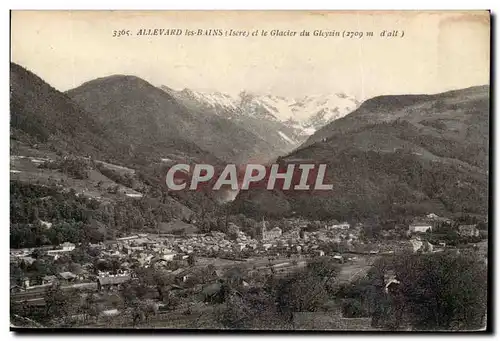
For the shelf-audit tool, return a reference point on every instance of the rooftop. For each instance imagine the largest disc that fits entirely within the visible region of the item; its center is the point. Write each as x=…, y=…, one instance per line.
x=67, y=275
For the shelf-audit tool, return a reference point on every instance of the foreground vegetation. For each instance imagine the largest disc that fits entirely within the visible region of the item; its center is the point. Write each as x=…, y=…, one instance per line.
x=445, y=291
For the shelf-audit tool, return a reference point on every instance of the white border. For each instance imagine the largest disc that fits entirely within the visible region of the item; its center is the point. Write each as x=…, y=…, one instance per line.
x=184, y=4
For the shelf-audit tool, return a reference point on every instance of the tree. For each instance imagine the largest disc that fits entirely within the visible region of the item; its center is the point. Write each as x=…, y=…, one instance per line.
x=253, y=310
x=159, y=279
x=300, y=292
x=441, y=291
x=89, y=306
x=306, y=290
x=323, y=267
x=55, y=301
x=302, y=234
x=38, y=254
x=353, y=308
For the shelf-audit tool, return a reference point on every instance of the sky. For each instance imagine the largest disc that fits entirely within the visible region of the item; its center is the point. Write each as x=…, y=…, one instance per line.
x=440, y=51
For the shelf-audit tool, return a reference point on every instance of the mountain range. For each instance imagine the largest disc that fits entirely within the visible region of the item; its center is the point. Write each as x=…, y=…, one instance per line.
x=124, y=121
x=392, y=155
x=395, y=155
x=284, y=122
x=308, y=112
x=147, y=118
x=41, y=115
x=143, y=122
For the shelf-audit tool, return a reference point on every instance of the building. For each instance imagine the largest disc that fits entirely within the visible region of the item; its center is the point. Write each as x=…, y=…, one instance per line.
x=267, y=246
x=419, y=227
x=421, y=246
x=46, y=224
x=239, y=246
x=181, y=275
x=111, y=282
x=319, y=253
x=339, y=258
x=168, y=256
x=28, y=260
x=341, y=226
x=272, y=234
x=49, y=279
x=390, y=281
x=67, y=246
x=68, y=276
x=436, y=218
x=134, y=236
x=468, y=231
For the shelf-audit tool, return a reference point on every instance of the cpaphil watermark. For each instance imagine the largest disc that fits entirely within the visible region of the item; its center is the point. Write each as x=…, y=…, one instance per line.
x=244, y=177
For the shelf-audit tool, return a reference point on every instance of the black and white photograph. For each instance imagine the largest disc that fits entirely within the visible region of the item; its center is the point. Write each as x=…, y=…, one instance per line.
x=289, y=171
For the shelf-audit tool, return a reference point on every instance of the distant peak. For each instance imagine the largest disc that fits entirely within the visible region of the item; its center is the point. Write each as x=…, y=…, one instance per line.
x=117, y=79
x=166, y=88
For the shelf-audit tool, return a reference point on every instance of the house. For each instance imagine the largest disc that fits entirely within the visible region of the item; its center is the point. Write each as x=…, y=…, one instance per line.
x=28, y=260
x=435, y=217
x=181, y=275
x=157, y=262
x=67, y=246
x=266, y=246
x=46, y=224
x=390, y=281
x=421, y=246
x=239, y=246
x=49, y=279
x=468, y=231
x=68, y=276
x=112, y=282
x=26, y=282
x=168, y=256
x=341, y=226
x=15, y=288
x=419, y=227
x=416, y=244
x=128, y=238
x=319, y=253
x=109, y=313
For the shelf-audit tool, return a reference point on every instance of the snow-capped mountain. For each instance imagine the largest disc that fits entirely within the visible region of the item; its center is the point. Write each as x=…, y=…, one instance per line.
x=307, y=114
x=283, y=122
x=315, y=112
x=216, y=100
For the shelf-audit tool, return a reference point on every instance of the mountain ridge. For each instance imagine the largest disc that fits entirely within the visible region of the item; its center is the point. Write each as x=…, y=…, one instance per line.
x=40, y=114
x=163, y=119
x=396, y=156
x=309, y=111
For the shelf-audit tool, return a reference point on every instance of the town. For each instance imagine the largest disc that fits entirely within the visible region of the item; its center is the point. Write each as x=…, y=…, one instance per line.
x=195, y=262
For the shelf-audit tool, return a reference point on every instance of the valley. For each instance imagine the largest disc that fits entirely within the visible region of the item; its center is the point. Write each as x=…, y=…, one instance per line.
x=98, y=238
